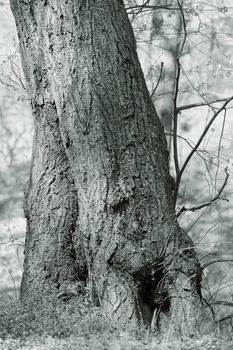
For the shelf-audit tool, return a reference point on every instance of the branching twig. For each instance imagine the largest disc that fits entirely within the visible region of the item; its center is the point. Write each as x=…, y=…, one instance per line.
x=17, y=74
x=207, y=204
x=178, y=179
x=140, y=9
x=200, y=104
x=216, y=262
x=221, y=302
x=153, y=7
x=224, y=318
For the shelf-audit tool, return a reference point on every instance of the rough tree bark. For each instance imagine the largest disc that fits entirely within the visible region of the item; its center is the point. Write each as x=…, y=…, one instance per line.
x=99, y=204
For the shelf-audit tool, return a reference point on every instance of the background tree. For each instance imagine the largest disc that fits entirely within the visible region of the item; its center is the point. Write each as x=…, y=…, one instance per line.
x=15, y=153
x=99, y=205
x=15, y=123
x=203, y=120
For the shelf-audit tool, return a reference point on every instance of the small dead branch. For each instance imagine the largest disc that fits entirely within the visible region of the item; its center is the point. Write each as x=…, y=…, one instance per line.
x=175, y=113
x=213, y=200
x=140, y=9
x=224, y=318
x=200, y=104
x=222, y=302
x=179, y=176
x=215, y=262
x=160, y=76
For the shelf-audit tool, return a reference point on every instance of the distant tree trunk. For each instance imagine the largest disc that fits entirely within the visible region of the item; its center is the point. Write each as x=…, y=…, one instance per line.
x=99, y=206
x=166, y=39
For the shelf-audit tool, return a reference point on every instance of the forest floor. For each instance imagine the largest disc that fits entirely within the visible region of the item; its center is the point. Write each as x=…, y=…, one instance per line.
x=114, y=343
x=63, y=328
x=79, y=325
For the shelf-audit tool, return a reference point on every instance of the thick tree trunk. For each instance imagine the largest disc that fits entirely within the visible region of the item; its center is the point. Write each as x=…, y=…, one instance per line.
x=53, y=259
x=100, y=197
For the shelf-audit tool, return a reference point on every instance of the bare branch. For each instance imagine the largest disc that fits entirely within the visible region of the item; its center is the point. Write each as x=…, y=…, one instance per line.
x=216, y=261
x=175, y=114
x=160, y=76
x=184, y=27
x=207, y=204
x=153, y=7
x=200, y=104
x=175, y=148
x=140, y=9
x=17, y=74
x=219, y=148
x=224, y=318
x=178, y=179
x=221, y=302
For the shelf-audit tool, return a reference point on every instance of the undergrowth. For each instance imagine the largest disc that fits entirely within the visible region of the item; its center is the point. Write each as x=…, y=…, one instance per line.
x=79, y=325
x=50, y=319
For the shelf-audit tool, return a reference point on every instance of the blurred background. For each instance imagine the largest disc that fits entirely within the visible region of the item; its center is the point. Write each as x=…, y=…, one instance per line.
x=186, y=52
x=16, y=130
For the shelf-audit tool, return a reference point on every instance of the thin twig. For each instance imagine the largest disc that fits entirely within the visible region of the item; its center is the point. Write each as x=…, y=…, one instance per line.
x=200, y=104
x=140, y=9
x=175, y=114
x=160, y=76
x=221, y=302
x=153, y=7
x=216, y=262
x=15, y=289
x=17, y=75
x=175, y=148
x=224, y=318
x=213, y=200
x=184, y=27
x=219, y=148
x=178, y=179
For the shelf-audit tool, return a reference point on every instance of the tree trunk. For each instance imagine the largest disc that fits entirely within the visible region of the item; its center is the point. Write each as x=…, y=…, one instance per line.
x=52, y=256
x=99, y=206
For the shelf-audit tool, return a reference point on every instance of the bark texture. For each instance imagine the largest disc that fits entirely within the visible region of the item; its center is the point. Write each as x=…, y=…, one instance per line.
x=99, y=206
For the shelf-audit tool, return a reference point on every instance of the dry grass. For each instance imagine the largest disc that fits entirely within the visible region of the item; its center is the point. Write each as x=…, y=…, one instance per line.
x=123, y=342
x=76, y=326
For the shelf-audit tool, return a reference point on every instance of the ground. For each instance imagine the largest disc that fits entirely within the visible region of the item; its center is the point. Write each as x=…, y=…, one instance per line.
x=76, y=326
